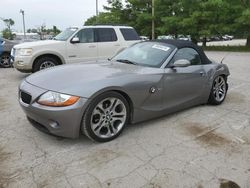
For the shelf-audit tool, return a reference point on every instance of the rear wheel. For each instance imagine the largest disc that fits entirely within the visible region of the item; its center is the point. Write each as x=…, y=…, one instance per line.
x=44, y=63
x=5, y=60
x=105, y=117
x=218, y=91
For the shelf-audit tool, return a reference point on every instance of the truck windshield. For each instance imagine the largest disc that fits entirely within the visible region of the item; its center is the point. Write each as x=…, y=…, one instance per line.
x=63, y=36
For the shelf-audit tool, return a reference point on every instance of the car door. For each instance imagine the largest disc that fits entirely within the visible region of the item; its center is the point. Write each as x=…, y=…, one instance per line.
x=85, y=49
x=108, y=44
x=184, y=85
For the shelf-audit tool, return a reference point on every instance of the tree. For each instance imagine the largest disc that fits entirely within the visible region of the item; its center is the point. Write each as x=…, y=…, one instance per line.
x=55, y=30
x=103, y=18
x=32, y=31
x=9, y=22
x=7, y=33
x=198, y=18
x=135, y=13
x=243, y=19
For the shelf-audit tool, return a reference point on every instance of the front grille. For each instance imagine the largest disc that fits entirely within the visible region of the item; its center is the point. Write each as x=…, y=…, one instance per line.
x=25, y=97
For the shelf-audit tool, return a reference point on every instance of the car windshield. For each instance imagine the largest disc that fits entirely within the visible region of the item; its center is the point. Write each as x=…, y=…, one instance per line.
x=63, y=36
x=151, y=54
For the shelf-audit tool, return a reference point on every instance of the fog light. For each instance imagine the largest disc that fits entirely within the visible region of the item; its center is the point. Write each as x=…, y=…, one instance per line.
x=54, y=124
x=20, y=63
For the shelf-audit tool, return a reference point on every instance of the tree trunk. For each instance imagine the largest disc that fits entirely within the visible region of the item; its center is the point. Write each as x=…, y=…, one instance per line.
x=248, y=41
x=194, y=40
x=204, y=41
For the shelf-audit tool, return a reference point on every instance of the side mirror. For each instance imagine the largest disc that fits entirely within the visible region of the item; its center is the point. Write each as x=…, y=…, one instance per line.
x=181, y=63
x=75, y=40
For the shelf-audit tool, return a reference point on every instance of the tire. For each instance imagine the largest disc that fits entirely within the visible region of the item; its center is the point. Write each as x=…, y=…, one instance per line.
x=44, y=63
x=105, y=117
x=218, y=91
x=5, y=60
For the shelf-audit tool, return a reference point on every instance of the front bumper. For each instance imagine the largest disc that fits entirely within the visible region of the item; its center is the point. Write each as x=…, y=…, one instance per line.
x=22, y=64
x=60, y=121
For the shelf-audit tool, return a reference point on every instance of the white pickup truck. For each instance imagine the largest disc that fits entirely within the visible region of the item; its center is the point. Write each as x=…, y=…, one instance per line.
x=72, y=46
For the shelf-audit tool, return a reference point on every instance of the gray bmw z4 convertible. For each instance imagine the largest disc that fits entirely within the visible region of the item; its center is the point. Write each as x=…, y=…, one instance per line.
x=145, y=81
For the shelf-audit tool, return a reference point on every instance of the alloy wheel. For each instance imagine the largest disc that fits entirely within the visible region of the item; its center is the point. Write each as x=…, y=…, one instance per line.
x=47, y=64
x=219, y=88
x=108, y=117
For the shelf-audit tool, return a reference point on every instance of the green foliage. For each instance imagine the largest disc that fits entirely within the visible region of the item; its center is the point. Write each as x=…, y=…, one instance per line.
x=42, y=30
x=9, y=22
x=103, y=18
x=198, y=18
x=7, y=33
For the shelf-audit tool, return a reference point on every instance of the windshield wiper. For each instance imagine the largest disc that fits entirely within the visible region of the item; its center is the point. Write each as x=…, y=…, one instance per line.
x=126, y=61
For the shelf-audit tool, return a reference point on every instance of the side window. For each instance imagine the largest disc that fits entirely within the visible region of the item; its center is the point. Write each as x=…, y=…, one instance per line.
x=86, y=35
x=189, y=54
x=129, y=34
x=106, y=35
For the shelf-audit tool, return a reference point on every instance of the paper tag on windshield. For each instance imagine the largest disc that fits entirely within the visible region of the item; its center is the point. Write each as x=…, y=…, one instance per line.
x=160, y=47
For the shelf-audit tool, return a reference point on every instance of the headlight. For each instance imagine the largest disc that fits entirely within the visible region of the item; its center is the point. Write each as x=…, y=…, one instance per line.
x=51, y=98
x=25, y=52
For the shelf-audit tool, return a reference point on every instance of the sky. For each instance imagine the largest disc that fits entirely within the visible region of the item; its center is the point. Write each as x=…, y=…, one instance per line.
x=62, y=13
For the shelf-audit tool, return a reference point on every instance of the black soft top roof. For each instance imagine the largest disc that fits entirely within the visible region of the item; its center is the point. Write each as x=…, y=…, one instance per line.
x=186, y=44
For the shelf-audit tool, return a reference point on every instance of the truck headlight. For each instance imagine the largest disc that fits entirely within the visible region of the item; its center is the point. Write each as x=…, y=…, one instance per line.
x=55, y=99
x=25, y=52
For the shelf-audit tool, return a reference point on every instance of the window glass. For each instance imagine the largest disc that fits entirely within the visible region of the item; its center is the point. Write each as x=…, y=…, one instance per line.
x=106, y=35
x=86, y=35
x=129, y=34
x=151, y=54
x=63, y=36
x=189, y=54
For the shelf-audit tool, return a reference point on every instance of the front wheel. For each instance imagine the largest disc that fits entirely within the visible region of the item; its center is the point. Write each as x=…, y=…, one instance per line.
x=105, y=117
x=44, y=63
x=219, y=91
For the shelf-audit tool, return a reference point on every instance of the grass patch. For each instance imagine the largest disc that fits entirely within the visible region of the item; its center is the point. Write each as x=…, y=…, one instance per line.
x=227, y=48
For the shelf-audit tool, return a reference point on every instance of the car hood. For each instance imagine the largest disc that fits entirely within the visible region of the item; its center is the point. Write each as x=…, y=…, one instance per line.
x=85, y=79
x=37, y=44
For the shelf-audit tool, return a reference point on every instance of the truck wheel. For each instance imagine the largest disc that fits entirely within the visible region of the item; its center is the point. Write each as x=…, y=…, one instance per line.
x=44, y=63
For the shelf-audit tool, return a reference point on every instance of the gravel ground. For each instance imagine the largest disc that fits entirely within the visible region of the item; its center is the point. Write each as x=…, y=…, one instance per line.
x=205, y=146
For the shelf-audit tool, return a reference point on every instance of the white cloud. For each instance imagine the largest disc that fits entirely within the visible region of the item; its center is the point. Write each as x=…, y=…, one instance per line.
x=62, y=13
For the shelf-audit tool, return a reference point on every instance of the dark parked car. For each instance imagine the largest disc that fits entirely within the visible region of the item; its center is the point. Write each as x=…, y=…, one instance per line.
x=5, y=56
x=1, y=47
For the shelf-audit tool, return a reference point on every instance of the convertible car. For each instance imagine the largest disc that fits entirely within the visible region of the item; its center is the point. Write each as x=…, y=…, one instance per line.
x=145, y=81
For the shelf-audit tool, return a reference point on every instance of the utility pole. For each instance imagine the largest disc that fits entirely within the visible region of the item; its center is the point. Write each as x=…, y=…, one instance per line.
x=153, y=19
x=96, y=11
x=96, y=7
x=24, y=33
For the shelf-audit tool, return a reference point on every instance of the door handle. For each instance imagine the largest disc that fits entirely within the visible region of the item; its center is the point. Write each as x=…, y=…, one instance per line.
x=117, y=45
x=202, y=73
x=92, y=46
